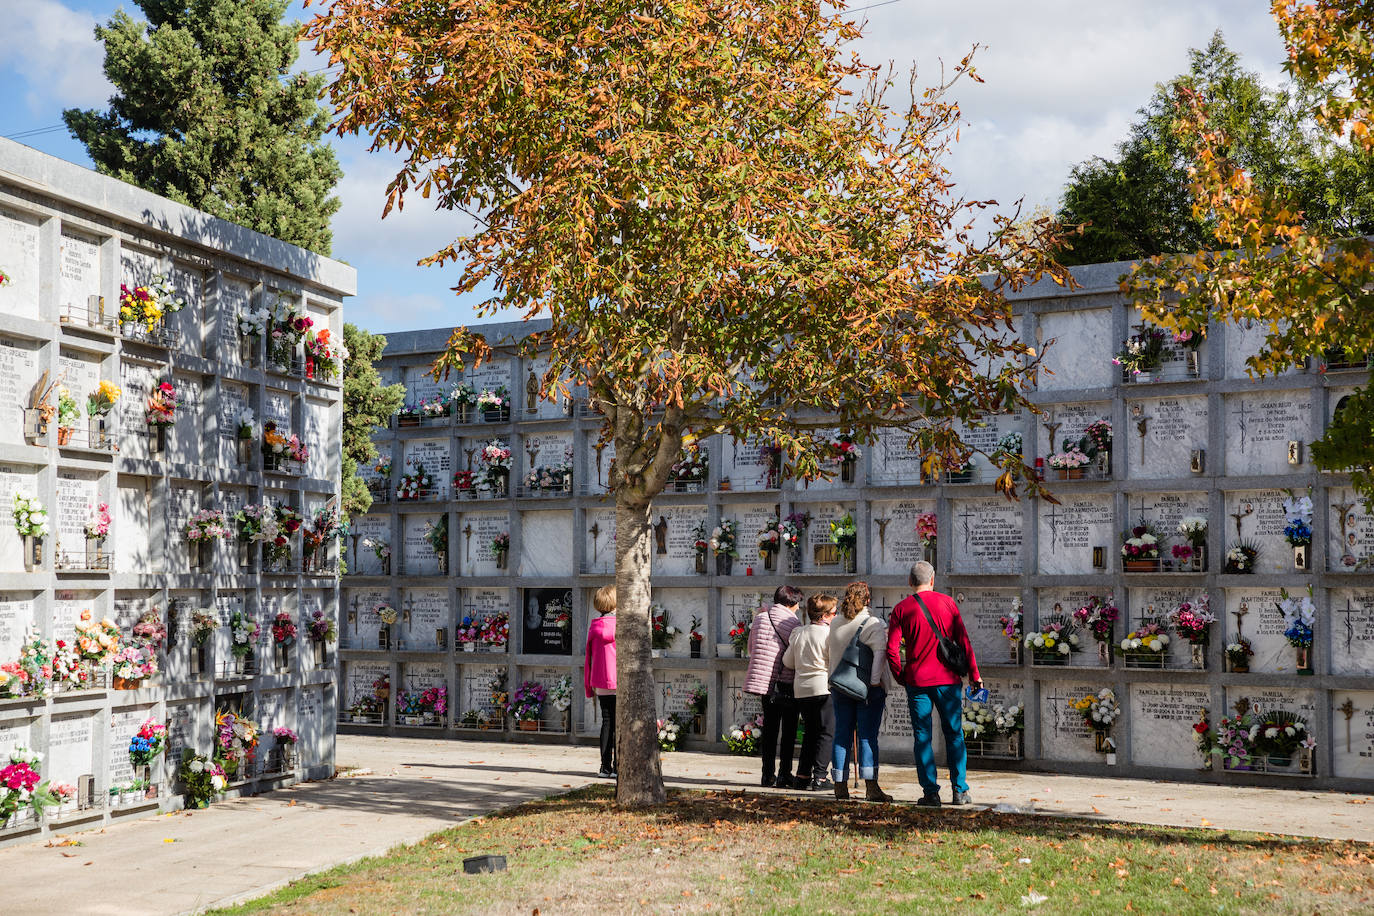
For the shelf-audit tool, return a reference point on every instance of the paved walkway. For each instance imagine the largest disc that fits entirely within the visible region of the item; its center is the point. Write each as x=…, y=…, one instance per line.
x=237, y=850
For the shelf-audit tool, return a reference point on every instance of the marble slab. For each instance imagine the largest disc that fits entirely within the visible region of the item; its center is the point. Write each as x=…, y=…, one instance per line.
x=981, y=608
x=677, y=554
x=1351, y=612
x=988, y=535
x=423, y=611
x=1174, y=428
x=19, y=373
x=71, y=749
x=546, y=544
x=1162, y=717
x=1350, y=531
x=1262, y=623
x=893, y=460
x=476, y=557
x=892, y=534
x=1259, y=427
x=420, y=558
x=1063, y=734
x=19, y=255
x=1074, y=355
x=1068, y=533
x=1352, y=744
x=1261, y=521
x=683, y=604
x=818, y=535
x=16, y=616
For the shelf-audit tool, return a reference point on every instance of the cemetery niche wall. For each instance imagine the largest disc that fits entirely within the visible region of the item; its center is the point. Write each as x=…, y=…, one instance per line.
x=1197, y=568
x=146, y=426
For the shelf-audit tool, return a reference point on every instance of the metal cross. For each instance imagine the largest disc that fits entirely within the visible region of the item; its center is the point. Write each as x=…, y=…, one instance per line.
x=1053, y=516
x=470, y=609
x=467, y=542
x=1242, y=412
x=1347, y=709
x=1249, y=510
x=968, y=531
x=1052, y=428
x=884, y=607
x=353, y=614
x=735, y=606
x=1142, y=510
x=1349, y=613
x=595, y=531
x=882, y=535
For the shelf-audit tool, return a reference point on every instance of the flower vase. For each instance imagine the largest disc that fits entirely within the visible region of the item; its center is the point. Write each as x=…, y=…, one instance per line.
x=95, y=553
x=1194, y=363
x=64, y=435
x=1198, y=654
x=1198, y=561
x=701, y=563
x=928, y=554
x=240, y=664
x=1282, y=761
x=386, y=566
x=1300, y=557
x=96, y=433
x=245, y=555
x=724, y=564
x=770, y=560
x=846, y=471
x=197, y=661
x=1070, y=473
x=384, y=637
x=281, y=656
x=500, y=481
x=696, y=648
x=1240, y=667
x=1104, y=464
x=461, y=412
x=501, y=559
x=850, y=561
x=309, y=366
x=125, y=683
x=159, y=439
x=794, y=560
x=1304, y=661
x=33, y=553
x=244, y=451
x=246, y=349
x=1104, y=652
x=1100, y=740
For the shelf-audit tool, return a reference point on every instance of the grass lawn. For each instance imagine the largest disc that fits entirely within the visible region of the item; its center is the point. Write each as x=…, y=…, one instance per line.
x=721, y=852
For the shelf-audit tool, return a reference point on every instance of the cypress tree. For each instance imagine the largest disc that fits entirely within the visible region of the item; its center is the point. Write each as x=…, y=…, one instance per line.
x=207, y=114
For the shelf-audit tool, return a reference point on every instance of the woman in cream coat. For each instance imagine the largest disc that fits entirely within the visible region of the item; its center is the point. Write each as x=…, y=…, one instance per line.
x=865, y=717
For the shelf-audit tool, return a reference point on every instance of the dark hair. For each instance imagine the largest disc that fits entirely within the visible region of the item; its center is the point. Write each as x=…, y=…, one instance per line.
x=788, y=596
x=817, y=606
x=856, y=597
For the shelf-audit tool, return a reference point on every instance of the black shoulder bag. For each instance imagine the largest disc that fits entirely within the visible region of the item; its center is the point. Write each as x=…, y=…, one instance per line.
x=950, y=653
x=854, y=669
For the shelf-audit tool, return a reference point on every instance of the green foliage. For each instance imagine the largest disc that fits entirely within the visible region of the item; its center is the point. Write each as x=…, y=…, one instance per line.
x=367, y=404
x=205, y=113
x=1346, y=447
x=1140, y=203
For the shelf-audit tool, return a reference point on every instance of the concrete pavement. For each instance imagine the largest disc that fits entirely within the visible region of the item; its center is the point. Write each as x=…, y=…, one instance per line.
x=237, y=850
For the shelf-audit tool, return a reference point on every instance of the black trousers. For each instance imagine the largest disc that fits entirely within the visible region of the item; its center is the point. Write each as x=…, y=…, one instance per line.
x=818, y=739
x=779, y=733
x=607, y=703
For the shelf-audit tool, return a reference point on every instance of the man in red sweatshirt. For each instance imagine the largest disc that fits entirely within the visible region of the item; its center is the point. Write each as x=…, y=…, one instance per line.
x=929, y=683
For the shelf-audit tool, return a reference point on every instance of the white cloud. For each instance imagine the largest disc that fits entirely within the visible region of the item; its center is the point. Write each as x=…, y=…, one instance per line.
x=53, y=47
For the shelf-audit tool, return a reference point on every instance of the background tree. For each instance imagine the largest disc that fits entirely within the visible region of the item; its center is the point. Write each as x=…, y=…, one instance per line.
x=206, y=113
x=1310, y=287
x=1140, y=203
x=367, y=404
x=724, y=239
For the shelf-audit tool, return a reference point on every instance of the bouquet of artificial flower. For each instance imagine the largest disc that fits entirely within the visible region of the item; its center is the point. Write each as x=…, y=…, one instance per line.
x=1100, y=711
x=30, y=518
x=98, y=521
x=283, y=629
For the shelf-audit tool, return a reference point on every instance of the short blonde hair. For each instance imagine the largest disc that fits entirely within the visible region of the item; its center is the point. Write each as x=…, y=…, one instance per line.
x=604, y=599
x=817, y=606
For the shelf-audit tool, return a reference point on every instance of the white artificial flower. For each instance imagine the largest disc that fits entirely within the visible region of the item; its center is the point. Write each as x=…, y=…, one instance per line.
x=1064, y=649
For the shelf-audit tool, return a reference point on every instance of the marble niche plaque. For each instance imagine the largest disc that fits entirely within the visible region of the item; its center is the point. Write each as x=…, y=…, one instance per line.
x=1350, y=532
x=551, y=717
x=132, y=522
x=181, y=729
x=1257, y=517
x=682, y=605
x=894, y=462
x=1352, y=631
x=752, y=520
x=185, y=441
x=376, y=527
x=76, y=497
x=16, y=616
x=545, y=539
x=481, y=603
x=138, y=268
x=233, y=401
x=1062, y=602
x=542, y=450
x=476, y=557
x=1147, y=603
x=321, y=427
x=358, y=626
x=66, y=611
x=124, y=724
x=311, y=717
x=420, y=558
x=744, y=463
x=986, y=435
x=1262, y=623
x=739, y=706
x=433, y=455
x=271, y=713
x=474, y=690
x=276, y=408
x=427, y=609
x=189, y=285
x=598, y=541
x=359, y=677
x=16, y=734
x=1074, y=355
x=987, y=536
x=551, y=408
x=19, y=374
x=420, y=385
x=674, y=692
x=1352, y=745
x=892, y=534
x=1069, y=422
x=1265, y=699
x=1174, y=427
x=1069, y=532
x=981, y=609
x=71, y=749
x=1259, y=428
x=235, y=297
x=1163, y=511
x=737, y=604
x=421, y=676
x=818, y=536
x=13, y=479
x=19, y=255
x=492, y=375
x=1244, y=340
x=136, y=382
x=671, y=526
x=1162, y=717
x=595, y=468
x=1063, y=733
x=895, y=730
x=80, y=376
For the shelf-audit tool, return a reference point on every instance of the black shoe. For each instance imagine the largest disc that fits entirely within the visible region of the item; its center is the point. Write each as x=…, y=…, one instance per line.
x=962, y=798
x=788, y=782
x=820, y=784
x=606, y=774
x=928, y=801
x=767, y=782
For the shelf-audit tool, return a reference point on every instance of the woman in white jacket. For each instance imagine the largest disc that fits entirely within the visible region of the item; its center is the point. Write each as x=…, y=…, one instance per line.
x=806, y=655
x=865, y=717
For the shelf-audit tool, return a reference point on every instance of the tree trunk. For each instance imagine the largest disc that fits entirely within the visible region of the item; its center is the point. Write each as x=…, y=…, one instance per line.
x=640, y=781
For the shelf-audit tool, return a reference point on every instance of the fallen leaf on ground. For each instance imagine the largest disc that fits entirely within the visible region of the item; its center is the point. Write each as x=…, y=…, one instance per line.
x=1206, y=823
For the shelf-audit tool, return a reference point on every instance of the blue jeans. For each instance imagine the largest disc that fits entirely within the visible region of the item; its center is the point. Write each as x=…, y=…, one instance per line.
x=866, y=717
x=948, y=703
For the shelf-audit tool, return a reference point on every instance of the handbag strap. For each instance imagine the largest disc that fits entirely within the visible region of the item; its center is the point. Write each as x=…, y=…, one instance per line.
x=777, y=662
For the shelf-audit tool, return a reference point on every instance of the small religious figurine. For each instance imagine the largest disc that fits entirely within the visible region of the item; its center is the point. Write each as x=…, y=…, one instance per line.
x=661, y=536
x=531, y=392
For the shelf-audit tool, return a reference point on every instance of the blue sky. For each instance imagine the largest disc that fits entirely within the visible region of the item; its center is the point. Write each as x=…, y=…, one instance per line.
x=1063, y=81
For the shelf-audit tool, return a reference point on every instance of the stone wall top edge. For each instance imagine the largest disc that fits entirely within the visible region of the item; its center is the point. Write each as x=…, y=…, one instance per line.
x=45, y=176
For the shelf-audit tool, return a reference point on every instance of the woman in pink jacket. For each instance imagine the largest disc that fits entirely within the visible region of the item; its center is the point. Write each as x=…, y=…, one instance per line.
x=598, y=674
